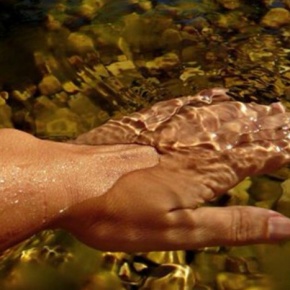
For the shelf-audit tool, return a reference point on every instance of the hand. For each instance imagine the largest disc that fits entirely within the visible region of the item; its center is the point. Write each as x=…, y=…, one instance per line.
x=206, y=145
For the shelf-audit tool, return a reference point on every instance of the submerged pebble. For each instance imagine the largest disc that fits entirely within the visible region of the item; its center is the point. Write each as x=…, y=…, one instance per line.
x=276, y=18
x=49, y=85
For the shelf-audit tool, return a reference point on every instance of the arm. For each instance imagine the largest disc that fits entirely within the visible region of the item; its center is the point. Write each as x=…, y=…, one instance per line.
x=133, y=198
x=40, y=179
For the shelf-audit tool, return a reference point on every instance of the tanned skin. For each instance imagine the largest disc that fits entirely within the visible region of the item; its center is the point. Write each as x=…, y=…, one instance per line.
x=139, y=183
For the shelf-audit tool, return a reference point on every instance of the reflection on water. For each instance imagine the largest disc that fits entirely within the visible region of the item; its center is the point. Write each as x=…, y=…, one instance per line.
x=67, y=66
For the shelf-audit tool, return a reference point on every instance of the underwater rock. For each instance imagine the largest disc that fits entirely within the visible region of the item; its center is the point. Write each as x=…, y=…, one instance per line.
x=239, y=194
x=165, y=62
x=49, y=85
x=208, y=265
x=170, y=277
x=145, y=5
x=3, y=97
x=283, y=204
x=62, y=123
x=230, y=4
x=90, y=114
x=231, y=281
x=80, y=43
x=287, y=93
x=242, y=265
x=24, y=95
x=171, y=38
x=52, y=24
x=104, y=280
x=263, y=188
x=70, y=87
x=5, y=116
x=168, y=257
x=143, y=33
x=89, y=8
x=276, y=17
x=117, y=68
x=56, y=121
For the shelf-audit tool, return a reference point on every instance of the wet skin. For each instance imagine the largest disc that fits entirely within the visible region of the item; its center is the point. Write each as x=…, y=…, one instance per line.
x=139, y=183
x=206, y=144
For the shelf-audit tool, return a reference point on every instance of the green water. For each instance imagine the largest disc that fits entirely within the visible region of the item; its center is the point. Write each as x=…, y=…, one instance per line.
x=68, y=66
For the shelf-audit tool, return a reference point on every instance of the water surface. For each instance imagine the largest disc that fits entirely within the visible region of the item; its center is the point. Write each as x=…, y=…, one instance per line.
x=68, y=66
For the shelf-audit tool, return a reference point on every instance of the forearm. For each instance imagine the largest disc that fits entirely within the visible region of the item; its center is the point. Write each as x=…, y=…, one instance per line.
x=40, y=179
x=26, y=177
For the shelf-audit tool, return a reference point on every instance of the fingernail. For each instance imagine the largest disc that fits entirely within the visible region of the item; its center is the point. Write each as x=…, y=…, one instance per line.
x=279, y=227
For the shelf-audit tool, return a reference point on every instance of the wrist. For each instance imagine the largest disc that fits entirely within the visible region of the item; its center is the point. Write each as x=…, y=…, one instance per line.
x=94, y=172
x=95, y=169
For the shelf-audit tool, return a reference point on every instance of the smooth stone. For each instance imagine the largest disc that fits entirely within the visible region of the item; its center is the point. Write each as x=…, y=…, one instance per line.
x=276, y=17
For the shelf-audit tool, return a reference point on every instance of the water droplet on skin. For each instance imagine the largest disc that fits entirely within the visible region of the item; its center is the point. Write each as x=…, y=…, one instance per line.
x=229, y=146
x=244, y=108
x=62, y=210
x=253, y=119
x=278, y=149
x=206, y=98
x=16, y=201
x=2, y=180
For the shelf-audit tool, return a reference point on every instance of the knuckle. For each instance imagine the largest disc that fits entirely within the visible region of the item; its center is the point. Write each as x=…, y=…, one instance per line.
x=179, y=218
x=241, y=229
x=171, y=221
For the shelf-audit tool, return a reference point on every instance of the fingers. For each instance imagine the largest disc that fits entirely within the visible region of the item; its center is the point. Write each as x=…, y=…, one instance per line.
x=276, y=121
x=245, y=130
x=259, y=158
x=127, y=129
x=208, y=226
x=220, y=171
x=242, y=131
x=235, y=111
x=224, y=171
x=219, y=126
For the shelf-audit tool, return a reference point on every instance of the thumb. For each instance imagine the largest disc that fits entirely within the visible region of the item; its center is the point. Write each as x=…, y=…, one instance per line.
x=236, y=225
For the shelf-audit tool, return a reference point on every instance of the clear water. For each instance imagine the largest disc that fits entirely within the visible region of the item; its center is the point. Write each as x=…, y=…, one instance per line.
x=68, y=66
